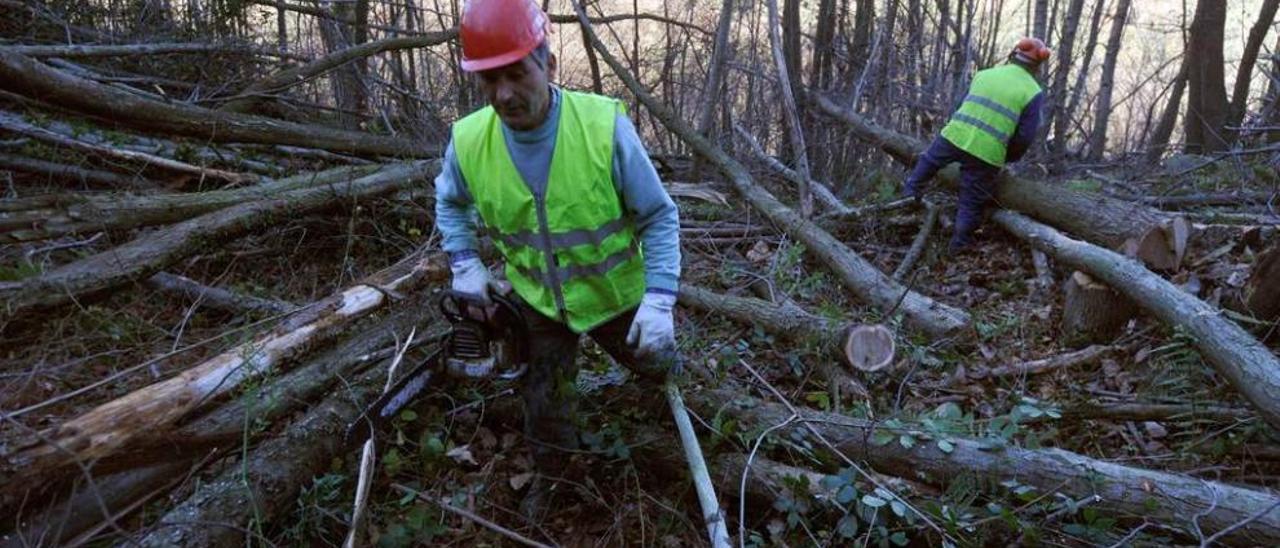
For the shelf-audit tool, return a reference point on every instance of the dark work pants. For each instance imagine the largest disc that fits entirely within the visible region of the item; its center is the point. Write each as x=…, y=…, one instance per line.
x=977, y=185
x=549, y=386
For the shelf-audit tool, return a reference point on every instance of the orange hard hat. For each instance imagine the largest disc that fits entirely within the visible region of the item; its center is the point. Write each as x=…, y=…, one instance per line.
x=1032, y=50
x=500, y=32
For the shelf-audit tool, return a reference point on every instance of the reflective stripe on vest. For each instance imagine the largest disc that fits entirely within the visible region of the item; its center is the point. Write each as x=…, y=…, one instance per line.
x=572, y=253
x=988, y=116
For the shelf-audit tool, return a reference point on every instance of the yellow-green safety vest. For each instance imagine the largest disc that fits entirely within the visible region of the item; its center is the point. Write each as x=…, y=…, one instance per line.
x=572, y=253
x=988, y=117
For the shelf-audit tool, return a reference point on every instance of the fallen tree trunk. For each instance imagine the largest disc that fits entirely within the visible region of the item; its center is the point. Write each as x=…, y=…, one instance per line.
x=45, y=217
x=283, y=396
x=106, y=429
x=1153, y=412
x=124, y=50
x=871, y=285
x=152, y=252
x=1248, y=365
x=1170, y=498
x=266, y=483
x=1099, y=219
x=245, y=100
x=217, y=298
x=820, y=190
x=68, y=173
x=12, y=123
x=24, y=76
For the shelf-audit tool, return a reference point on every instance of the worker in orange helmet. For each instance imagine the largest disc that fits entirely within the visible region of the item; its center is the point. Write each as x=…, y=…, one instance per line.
x=995, y=124
x=562, y=185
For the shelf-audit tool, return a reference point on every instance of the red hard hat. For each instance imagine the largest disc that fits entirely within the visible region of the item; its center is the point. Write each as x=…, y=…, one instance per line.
x=1032, y=50
x=500, y=32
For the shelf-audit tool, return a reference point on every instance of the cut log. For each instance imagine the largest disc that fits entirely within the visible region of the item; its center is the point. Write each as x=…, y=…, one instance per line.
x=1248, y=365
x=1096, y=218
x=217, y=298
x=1092, y=312
x=275, y=83
x=155, y=251
x=108, y=427
x=868, y=348
x=1169, y=498
x=24, y=76
x=14, y=123
x=53, y=216
x=863, y=279
x=1262, y=291
x=862, y=346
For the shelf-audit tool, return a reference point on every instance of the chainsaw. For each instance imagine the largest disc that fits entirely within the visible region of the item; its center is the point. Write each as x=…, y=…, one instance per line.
x=485, y=341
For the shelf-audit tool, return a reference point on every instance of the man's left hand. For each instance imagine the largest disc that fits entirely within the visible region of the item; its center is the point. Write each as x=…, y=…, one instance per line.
x=653, y=329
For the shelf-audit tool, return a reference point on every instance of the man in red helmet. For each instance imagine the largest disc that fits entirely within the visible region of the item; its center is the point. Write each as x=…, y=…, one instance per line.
x=563, y=187
x=995, y=124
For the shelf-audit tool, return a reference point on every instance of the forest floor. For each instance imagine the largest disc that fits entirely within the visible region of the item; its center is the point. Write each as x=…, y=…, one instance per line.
x=464, y=444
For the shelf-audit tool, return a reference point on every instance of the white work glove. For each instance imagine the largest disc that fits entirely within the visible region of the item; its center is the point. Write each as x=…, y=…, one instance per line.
x=653, y=330
x=470, y=276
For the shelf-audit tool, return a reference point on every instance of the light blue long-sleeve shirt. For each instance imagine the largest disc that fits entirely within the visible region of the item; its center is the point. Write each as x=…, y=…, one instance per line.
x=643, y=196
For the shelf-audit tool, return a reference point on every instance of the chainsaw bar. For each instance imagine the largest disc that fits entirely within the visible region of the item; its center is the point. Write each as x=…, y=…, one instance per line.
x=379, y=414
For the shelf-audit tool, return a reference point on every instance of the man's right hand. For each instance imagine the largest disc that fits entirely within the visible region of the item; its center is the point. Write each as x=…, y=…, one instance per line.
x=470, y=276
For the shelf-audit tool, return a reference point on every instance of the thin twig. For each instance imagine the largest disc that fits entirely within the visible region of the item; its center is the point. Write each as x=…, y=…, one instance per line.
x=517, y=537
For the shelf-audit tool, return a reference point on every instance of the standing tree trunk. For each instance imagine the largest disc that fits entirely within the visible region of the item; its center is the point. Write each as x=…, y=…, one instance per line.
x=1057, y=92
x=822, y=46
x=795, y=132
x=1039, y=27
x=1164, y=128
x=1077, y=91
x=282, y=29
x=1207, y=100
x=1102, y=112
x=1240, y=92
x=711, y=95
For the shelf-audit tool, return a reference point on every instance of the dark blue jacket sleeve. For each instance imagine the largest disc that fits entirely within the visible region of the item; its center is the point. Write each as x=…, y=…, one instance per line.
x=1028, y=124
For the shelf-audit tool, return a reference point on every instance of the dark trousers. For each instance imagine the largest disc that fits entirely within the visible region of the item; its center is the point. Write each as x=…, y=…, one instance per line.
x=549, y=386
x=977, y=185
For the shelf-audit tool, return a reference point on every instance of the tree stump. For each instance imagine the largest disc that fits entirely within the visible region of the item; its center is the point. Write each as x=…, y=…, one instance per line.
x=1092, y=312
x=1262, y=291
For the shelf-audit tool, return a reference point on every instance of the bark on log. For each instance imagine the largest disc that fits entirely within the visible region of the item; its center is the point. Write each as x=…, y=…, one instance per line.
x=1092, y=312
x=72, y=174
x=1125, y=489
x=24, y=76
x=1250, y=367
x=268, y=481
x=13, y=123
x=1096, y=218
x=282, y=397
x=45, y=217
x=155, y=251
x=215, y=297
x=108, y=427
x=245, y=100
x=871, y=285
